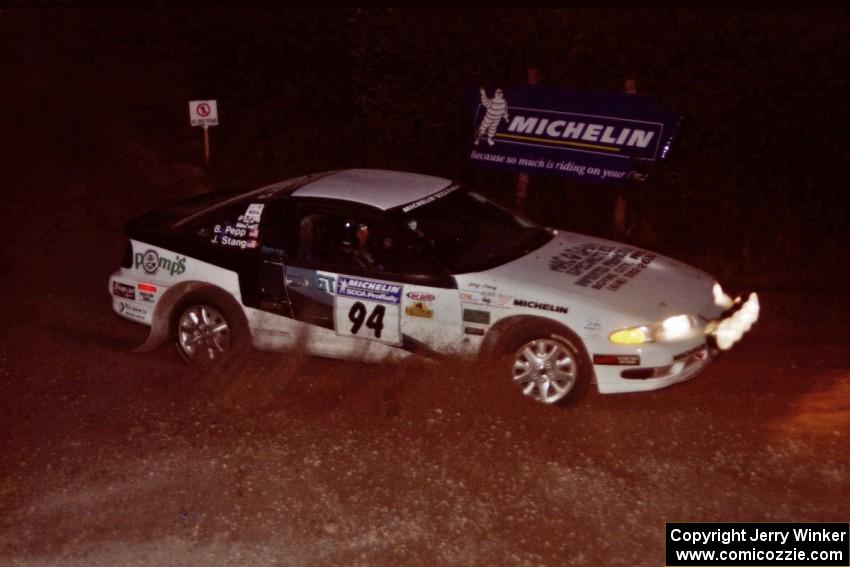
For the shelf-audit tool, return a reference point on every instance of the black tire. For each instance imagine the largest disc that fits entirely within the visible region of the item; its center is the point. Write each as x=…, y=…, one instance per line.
x=547, y=361
x=207, y=329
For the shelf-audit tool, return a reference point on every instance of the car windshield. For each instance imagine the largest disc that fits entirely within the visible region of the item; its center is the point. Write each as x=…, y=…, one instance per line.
x=468, y=233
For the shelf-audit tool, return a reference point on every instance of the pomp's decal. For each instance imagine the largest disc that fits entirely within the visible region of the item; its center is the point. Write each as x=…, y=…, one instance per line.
x=151, y=262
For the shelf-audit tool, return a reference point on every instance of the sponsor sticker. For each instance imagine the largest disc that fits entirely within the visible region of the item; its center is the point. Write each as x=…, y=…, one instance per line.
x=151, y=262
x=235, y=236
x=132, y=311
x=488, y=298
x=325, y=283
x=473, y=331
x=123, y=290
x=147, y=292
x=542, y=306
x=475, y=285
x=370, y=290
x=476, y=316
x=601, y=266
x=252, y=215
x=419, y=309
x=429, y=199
x=616, y=359
x=421, y=296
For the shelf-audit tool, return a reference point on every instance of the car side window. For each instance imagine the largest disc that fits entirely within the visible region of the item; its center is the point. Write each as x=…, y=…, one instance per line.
x=360, y=240
x=327, y=237
x=234, y=226
x=277, y=231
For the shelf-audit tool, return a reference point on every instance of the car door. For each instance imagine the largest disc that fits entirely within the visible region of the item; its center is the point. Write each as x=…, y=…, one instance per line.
x=359, y=276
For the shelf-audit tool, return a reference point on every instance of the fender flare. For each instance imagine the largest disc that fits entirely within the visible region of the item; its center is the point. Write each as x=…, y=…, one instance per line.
x=164, y=310
x=502, y=327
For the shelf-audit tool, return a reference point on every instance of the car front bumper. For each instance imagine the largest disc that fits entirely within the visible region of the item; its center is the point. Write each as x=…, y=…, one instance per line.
x=654, y=372
x=664, y=365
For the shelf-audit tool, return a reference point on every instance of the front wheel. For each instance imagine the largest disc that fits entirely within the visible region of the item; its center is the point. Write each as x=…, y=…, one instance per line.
x=548, y=367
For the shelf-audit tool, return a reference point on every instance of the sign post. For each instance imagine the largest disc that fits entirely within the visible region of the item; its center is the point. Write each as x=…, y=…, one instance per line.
x=204, y=113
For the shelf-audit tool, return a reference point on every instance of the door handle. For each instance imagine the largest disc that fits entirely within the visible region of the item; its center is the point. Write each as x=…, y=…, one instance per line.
x=297, y=282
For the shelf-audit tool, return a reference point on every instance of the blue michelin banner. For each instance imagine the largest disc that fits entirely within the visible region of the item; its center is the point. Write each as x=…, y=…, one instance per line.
x=599, y=136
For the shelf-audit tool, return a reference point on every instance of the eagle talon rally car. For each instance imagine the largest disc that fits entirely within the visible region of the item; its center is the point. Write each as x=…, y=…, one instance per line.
x=378, y=265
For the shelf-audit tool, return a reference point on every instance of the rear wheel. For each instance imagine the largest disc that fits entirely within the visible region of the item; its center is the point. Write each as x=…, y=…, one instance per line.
x=205, y=332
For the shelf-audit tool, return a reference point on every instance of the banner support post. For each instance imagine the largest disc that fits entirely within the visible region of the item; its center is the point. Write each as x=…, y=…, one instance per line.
x=619, y=219
x=522, y=179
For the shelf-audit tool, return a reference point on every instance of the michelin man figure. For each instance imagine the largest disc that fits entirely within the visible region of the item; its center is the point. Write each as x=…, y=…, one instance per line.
x=497, y=109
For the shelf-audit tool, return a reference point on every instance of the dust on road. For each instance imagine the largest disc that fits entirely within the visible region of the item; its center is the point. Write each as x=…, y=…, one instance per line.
x=110, y=457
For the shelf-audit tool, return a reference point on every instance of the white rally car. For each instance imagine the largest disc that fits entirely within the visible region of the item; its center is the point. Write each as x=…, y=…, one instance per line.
x=376, y=265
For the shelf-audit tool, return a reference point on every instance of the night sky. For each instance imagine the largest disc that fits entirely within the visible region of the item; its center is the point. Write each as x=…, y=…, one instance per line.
x=753, y=185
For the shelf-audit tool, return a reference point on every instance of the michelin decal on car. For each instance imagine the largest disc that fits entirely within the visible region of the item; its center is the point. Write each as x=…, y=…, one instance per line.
x=429, y=199
x=538, y=305
x=370, y=290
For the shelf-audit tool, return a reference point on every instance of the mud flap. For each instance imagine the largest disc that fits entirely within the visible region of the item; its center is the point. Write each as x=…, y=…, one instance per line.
x=157, y=335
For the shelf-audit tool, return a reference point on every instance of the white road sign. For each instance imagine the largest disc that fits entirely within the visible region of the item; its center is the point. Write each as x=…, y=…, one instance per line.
x=203, y=113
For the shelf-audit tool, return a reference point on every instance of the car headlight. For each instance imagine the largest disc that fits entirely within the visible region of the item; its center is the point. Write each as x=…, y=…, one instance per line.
x=671, y=329
x=721, y=299
x=631, y=336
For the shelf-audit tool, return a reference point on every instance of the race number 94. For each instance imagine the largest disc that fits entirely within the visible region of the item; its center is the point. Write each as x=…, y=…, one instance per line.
x=358, y=316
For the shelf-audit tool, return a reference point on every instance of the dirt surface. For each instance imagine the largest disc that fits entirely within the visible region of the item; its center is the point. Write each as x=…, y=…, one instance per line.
x=108, y=457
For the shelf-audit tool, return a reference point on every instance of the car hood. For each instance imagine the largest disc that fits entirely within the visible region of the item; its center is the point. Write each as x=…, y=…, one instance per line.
x=634, y=281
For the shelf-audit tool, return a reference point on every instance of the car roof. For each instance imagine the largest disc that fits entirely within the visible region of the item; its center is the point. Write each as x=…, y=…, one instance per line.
x=380, y=188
